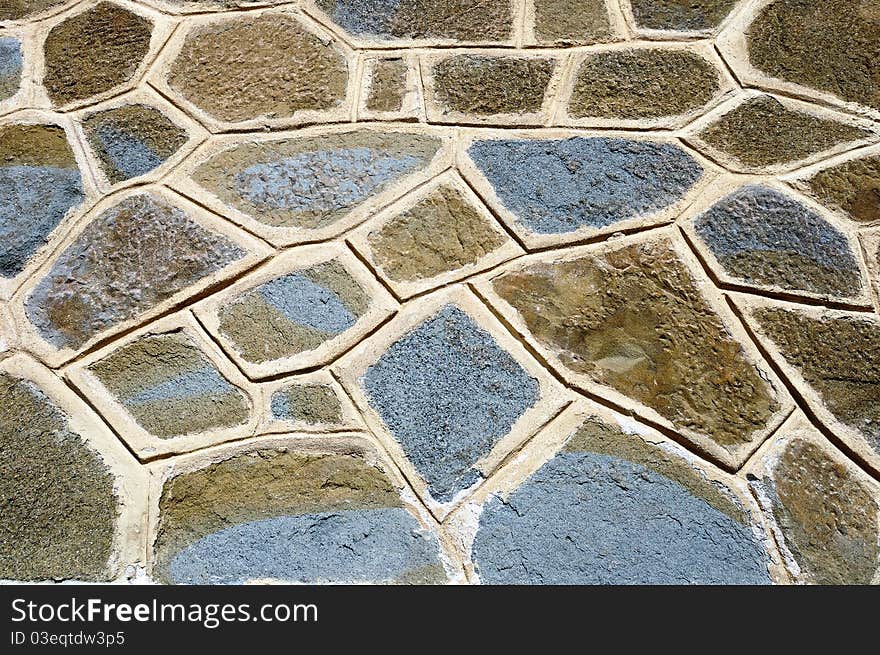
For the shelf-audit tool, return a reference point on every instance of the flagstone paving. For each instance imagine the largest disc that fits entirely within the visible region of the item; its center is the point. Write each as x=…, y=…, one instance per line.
x=421, y=292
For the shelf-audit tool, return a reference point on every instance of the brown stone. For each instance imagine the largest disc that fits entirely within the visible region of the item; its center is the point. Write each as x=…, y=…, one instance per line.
x=853, y=187
x=388, y=85
x=680, y=15
x=18, y=9
x=571, y=21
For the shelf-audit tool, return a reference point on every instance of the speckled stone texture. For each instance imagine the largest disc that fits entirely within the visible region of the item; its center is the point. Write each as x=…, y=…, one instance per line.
x=764, y=237
x=462, y=20
x=388, y=85
x=133, y=256
x=853, y=187
x=680, y=15
x=40, y=183
x=829, y=45
x=59, y=506
x=762, y=132
x=610, y=509
x=448, y=372
x=94, y=52
x=170, y=388
x=648, y=83
x=610, y=317
x=315, y=404
x=244, y=68
x=559, y=186
x=571, y=22
x=313, y=182
x=18, y=9
x=291, y=517
x=10, y=66
x=132, y=140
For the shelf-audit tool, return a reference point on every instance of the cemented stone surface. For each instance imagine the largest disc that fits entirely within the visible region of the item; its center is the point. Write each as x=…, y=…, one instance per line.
x=824, y=508
x=170, y=388
x=18, y=9
x=613, y=508
x=388, y=85
x=453, y=20
x=266, y=66
x=314, y=404
x=766, y=238
x=292, y=517
x=10, y=66
x=762, y=132
x=634, y=319
x=853, y=187
x=132, y=140
x=564, y=22
x=313, y=182
x=130, y=258
x=448, y=372
x=94, y=51
x=680, y=15
x=40, y=183
x=562, y=185
x=829, y=45
x=644, y=83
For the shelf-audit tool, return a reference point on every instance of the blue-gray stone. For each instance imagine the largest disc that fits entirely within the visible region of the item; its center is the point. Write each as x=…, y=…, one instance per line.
x=587, y=518
x=188, y=384
x=281, y=408
x=559, y=186
x=35, y=199
x=128, y=154
x=321, y=181
x=448, y=393
x=10, y=57
x=365, y=17
x=368, y=545
x=307, y=303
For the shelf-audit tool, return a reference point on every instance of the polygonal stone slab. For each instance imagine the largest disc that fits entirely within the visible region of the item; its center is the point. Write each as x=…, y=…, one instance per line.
x=303, y=309
x=633, y=321
x=571, y=22
x=824, y=510
x=598, y=498
x=490, y=87
x=833, y=360
x=11, y=64
x=139, y=254
x=372, y=23
x=314, y=402
x=564, y=187
x=391, y=87
x=664, y=19
x=645, y=87
x=758, y=235
x=759, y=133
x=42, y=188
x=167, y=389
x=294, y=510
x=258, y=69
x=98, y=50
x=75, y=501
x=449, y=393
x=14, y=10
x=439, y=234
x=313, y=184
x=137, y=137
x=817, y=49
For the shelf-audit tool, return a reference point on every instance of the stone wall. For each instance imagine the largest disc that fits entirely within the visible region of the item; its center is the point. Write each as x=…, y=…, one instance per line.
x=440, y=291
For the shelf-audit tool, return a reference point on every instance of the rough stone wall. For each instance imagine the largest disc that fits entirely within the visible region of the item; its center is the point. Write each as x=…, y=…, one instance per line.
x=448, y=291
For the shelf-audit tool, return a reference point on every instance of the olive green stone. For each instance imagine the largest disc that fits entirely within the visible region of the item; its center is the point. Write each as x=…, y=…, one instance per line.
x=853, y=187
x=571, y=21
x=388, y=85
x=680, y=15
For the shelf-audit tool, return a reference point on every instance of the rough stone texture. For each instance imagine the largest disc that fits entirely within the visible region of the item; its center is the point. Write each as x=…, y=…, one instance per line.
x=633, y=319
x=830, y=45
x=560, y=186
x=448, y=393
x=827, y=516
x=293, y=313
x=642, y=83
x=130, y=258
x=59, y=506
x=94, y=51
x=442, y=233
x=764, y=237
x=244, y=68
x=18, y=9
x=762, y=132
x=170, y=388
x=853, y=187
x=564, y=22
x=10, y=66
x=609, y=509
x=461, y=20
x=133, y=140
x=489, y=85
x=313, y=182
x=293, y=517
x=388, y=85
x=839, y=358
x=39, y=184
x=681, y=15
x=314, y=404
